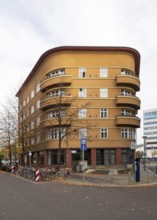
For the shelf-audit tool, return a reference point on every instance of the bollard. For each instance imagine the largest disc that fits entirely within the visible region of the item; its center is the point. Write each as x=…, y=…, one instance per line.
x=12, y=169
x=37, y=174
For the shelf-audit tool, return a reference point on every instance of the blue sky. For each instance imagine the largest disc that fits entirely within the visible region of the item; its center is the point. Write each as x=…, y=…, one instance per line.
x=30, y=27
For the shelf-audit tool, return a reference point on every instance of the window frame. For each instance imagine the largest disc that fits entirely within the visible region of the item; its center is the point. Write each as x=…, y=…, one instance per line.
x=103, y=92
x=103, y=133
x=82, y=113
x=82, y=72
x=103, y=72
x=83, y=93
x=103, y=113
x=127, y=133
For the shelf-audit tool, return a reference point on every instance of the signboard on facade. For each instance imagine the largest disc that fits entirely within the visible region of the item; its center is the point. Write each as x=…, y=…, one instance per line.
x=132, y=145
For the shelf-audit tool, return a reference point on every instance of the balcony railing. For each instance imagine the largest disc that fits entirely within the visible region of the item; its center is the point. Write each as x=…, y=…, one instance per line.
x=55, y=81
x=53, y=101
x=54, y=122
x=128, y=80
x=130, y=101
x=129, y=121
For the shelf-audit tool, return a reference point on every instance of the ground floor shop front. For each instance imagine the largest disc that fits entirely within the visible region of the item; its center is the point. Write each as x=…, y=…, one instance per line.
x=69, y=158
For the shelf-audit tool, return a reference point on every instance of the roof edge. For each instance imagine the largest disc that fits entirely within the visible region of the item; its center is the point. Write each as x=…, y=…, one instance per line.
x=130, y=50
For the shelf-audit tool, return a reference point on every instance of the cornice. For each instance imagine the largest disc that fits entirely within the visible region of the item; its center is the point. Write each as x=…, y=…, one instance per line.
x=130, y=50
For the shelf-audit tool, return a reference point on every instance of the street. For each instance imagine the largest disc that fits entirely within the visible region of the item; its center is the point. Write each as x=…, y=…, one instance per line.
x=22, y=200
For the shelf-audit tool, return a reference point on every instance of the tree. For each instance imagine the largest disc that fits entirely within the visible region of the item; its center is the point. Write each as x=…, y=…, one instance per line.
x=8, y=128
x=63, y=116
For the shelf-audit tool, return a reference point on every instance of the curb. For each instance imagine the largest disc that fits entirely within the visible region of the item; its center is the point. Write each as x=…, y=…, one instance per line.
x=112, y=186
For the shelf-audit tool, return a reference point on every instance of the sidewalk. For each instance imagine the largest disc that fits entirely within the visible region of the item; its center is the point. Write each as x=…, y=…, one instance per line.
x=146, y=178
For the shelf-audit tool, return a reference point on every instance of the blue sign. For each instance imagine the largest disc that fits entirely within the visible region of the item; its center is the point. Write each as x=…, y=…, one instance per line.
x=83, y=145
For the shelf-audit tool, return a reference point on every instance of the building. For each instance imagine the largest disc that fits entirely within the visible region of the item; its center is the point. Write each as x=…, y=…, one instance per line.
x=150, y=131
x=100, y=84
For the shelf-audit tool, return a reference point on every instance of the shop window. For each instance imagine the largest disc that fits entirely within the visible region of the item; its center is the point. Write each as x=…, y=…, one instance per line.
x=53, y=157
x=125, y=156
x=41, y=158
x=105, y=157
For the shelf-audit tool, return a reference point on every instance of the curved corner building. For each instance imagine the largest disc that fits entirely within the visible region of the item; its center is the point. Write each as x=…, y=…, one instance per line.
x=93, y=89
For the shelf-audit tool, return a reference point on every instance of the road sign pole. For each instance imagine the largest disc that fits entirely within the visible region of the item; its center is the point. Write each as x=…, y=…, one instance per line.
x=83, y=165
x=83, y=147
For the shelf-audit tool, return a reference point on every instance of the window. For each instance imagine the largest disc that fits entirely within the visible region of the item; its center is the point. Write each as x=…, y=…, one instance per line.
x=105, y=157
x=53, y=155
x=103, y=72
x=103, y=113
x=24, y=103
x=32, y=125
x=27, y=99
x=32, y=109
x=127, y=133
x=54, y=114
x=82, y=92
x=32, y=141
x=56, y=93
x=41, y=157
x=125, y=156
x=38, y=138
x=109, y=157
x=27, y=128
x=38, y=121
x=20, y=106
x=82, y=72
x=83, y=133
x=126, y=72
x=32, y=94
x=104, y=133
x=126, y=112
x=38, y=88
x=55, y=73
x=125, y=92
x=38, y=104
x=82, y=113
x=52, y=134
x=103, y=93
x=27, y=113
x=24, y=116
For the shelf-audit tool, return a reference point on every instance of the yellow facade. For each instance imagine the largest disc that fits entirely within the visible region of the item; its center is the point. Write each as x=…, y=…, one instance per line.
x=106, y=90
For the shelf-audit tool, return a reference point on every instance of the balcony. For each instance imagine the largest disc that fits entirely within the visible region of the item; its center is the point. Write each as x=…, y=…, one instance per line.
x=129, y=121
x=127, y=80
x=63, y=80
x=130, y=101
x=55, y=101
x=53, y=122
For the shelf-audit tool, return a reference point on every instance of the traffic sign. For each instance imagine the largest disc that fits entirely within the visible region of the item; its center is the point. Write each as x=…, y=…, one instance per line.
x=83, y=145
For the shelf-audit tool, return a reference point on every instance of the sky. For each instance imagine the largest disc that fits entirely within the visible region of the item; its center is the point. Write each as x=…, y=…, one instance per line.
x=28, y=28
